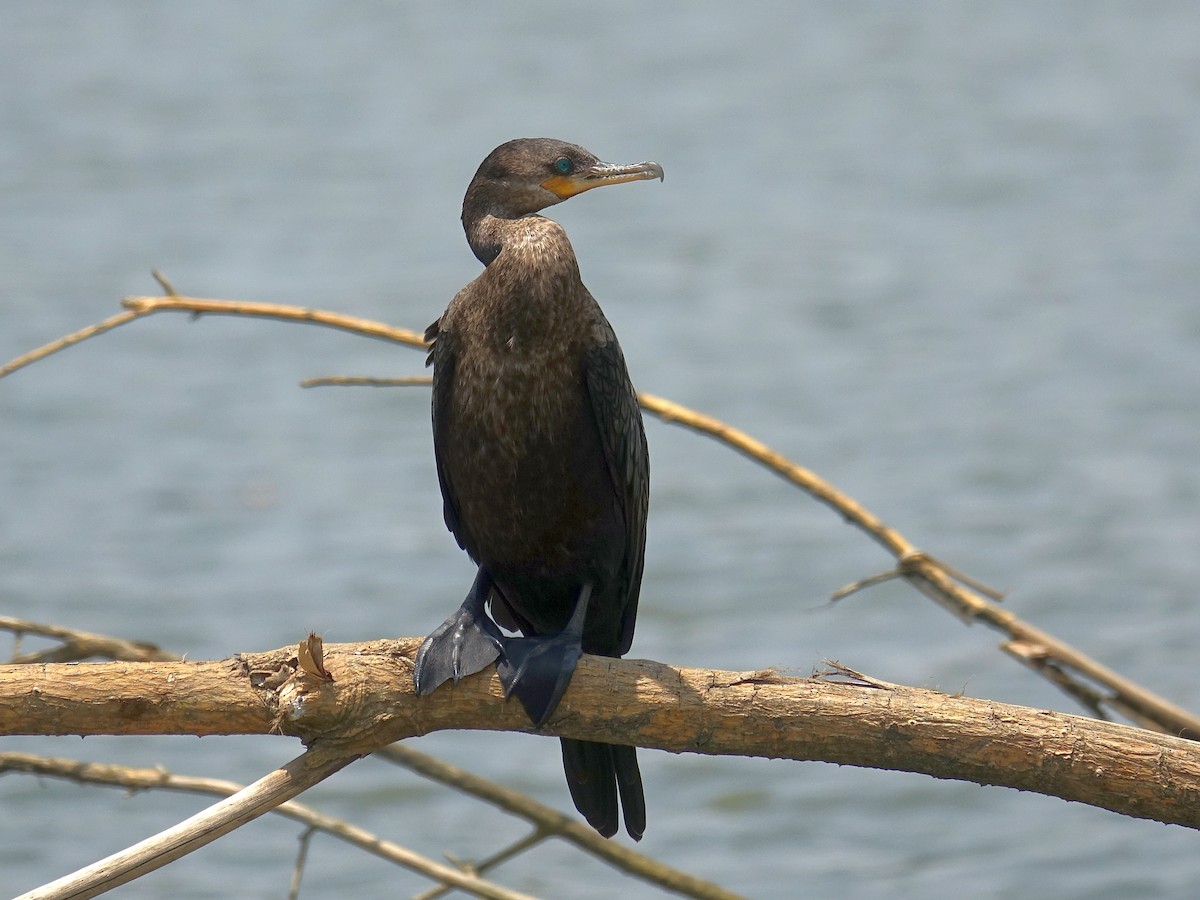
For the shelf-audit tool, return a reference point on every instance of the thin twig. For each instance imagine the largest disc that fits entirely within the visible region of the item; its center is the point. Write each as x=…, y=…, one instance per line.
x=69, y=341
x=363, y=381
x=1084, y=694
x=168, y=288
x=198, y=306
x=514, y=849
x=138, y=307
x=863, y=583
x=301, y=860
x=550, y=822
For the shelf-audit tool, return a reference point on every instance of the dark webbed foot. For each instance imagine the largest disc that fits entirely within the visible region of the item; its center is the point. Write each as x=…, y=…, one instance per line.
x=538, y=669
x=464, y=644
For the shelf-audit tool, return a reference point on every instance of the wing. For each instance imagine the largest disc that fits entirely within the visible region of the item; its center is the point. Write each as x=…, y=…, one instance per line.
x=442, y=357
x=619, y=423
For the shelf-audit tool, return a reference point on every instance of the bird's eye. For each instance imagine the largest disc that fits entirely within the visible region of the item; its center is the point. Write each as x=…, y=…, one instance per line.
x=562, y=165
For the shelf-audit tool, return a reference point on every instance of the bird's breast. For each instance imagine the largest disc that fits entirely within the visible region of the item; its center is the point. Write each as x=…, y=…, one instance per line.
x=526, y=465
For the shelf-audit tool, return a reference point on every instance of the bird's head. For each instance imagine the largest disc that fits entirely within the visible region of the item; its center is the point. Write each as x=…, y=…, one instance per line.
x=528, y=174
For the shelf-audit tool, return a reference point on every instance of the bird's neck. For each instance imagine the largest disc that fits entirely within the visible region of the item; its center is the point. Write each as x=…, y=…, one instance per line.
x=486, y=235
x=532, y=247
x=533, y=289
x=491, y=211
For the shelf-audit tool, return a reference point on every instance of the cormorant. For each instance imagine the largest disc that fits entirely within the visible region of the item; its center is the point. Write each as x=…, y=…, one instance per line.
x=542, y=460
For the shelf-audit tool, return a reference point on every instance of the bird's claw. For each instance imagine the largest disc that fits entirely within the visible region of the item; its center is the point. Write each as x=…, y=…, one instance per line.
x=464, y=644
x=538, y=670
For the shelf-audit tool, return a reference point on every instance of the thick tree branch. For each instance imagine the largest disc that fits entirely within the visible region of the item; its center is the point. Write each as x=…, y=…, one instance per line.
x=370, y=703
x=1079, y=675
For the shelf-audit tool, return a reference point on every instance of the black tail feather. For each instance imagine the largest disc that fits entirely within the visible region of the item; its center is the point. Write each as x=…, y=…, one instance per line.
x=629, y=783
x=596, y=773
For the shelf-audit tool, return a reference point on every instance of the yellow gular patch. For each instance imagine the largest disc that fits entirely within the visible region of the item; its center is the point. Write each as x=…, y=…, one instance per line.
x=564, y=186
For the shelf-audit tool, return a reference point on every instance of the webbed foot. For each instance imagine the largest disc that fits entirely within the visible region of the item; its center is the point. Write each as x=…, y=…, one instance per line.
x=538, y=669
x=464, y=644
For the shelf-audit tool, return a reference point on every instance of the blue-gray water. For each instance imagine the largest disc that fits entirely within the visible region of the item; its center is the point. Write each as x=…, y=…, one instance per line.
x=944, y=254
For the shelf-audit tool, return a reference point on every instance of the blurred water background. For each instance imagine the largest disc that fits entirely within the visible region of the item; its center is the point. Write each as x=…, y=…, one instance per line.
x=943, y=254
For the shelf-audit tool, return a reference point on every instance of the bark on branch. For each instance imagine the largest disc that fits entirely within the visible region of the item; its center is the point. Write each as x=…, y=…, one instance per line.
x=851, y=721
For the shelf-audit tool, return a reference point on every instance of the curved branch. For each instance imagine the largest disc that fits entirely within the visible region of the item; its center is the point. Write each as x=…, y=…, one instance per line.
x=139, y=307
x=369, y=702
x=940, y=583
x=202, y=307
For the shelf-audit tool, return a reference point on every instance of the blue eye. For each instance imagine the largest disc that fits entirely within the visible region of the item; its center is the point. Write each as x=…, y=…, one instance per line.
x=563, y=165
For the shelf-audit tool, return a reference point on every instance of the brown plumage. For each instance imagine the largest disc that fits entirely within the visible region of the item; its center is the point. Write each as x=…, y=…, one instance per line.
x=542, y=459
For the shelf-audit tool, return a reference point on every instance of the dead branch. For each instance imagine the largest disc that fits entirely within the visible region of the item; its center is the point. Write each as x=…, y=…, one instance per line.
x=1067, y=667
x=548, y=823
x=942, y=584
x=79, y=645
x=203, y=828
x=139, y=307
x=370, y=703
x=158, y=779
x=1095, y=687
